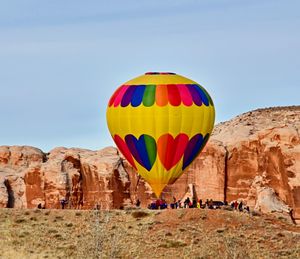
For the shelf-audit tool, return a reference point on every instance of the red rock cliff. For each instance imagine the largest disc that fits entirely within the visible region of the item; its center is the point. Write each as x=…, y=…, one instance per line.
x=255, y=156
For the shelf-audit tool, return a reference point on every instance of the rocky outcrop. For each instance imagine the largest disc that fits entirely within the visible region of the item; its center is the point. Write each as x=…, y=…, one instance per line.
x=84, y=178
x=251, y=157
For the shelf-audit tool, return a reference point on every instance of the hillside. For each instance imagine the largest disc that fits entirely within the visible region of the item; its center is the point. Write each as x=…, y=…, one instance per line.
x=181, y=233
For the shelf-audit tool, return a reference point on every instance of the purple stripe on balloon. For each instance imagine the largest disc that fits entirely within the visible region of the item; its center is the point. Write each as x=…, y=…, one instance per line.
x=130, y=141
x=204, y=98
x=128, y=96
x=191, y=145
x=192, y=149
x=195, y=95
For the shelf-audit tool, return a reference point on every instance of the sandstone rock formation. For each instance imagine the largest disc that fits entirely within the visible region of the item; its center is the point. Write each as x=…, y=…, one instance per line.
x=251, y=157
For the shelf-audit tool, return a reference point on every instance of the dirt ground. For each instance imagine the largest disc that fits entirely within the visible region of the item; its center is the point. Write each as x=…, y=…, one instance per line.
x=181, y=233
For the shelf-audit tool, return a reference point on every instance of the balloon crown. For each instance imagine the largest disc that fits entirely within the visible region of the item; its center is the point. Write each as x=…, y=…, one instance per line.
x=160, y=73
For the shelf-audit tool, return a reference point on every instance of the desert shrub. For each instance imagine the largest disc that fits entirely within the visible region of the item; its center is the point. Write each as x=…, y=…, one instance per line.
x=58, y=218
x=282, y=218
x=47, y=212
x=78, y=214
x=255, y=213
x=280, y=234
x=203, y=217
x=58, y=236
x=27, y=213
x=20, y=220
x=33, y=218
x=220, y=230
x=181, y=213
x=139, y=214
x=52, y=231
x=69, y=224
x=173, y=244
x=24, y=234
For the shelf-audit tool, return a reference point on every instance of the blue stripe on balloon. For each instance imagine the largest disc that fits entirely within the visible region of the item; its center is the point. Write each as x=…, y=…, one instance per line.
x=130, y=142
x=204, y=98
x=143, y=154
x=138, y=149
x=137, y=96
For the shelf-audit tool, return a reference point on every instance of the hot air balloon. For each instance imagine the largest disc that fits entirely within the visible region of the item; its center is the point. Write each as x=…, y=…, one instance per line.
x=160, y=122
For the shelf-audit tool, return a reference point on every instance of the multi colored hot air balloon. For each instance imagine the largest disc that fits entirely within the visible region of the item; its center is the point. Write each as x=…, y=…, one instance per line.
x=160, y=122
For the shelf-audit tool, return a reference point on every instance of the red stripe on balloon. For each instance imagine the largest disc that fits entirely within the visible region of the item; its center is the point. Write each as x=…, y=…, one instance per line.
x=112, y=99
x=173, y=95
x=121, y=144
x=120, y=95
x=185, y=95
x=171, y=150
x=161, y=96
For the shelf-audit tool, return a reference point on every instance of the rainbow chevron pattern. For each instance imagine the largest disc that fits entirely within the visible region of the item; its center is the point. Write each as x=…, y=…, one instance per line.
x=160, y=122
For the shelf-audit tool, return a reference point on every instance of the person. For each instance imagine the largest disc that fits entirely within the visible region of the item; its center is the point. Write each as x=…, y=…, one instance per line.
x=164, y=204
x=157, y=203
x=247, y=209
x=200, y=202
x=210, y=204
x=187, y=202
x=174, y=199
x=153, y=206
x=40, y=206
x=241, y=206
x=232, y=204
x=206, y=203
x=235, y=205
x=62, y=202
x=174, y=204
x=179, y=204
x=194, y=205
x=138, y=203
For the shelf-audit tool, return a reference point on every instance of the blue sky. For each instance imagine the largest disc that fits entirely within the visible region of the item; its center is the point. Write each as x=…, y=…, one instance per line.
x=60, y=61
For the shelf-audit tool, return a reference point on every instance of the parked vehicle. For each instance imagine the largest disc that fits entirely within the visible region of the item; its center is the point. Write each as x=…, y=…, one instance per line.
x=218, y=204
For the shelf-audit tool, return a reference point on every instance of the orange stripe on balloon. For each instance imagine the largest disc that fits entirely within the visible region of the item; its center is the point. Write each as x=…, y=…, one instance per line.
x=120, y=95
x=173, y=95
x=185, y=95
x=171, y=150
x=162, y=145
x=161, y=95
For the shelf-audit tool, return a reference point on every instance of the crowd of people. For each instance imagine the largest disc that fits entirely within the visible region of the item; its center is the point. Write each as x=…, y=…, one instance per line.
x=188, y=203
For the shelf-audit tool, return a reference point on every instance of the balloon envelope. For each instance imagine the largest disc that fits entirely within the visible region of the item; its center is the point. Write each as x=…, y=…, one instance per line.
x=160, y=122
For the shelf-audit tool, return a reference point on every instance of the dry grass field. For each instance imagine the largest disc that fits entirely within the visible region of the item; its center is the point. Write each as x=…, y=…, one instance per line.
x=182, y=233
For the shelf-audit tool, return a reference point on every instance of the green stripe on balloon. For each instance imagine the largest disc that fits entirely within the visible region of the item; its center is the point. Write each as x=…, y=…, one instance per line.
x=151, y=148
x=149, y=95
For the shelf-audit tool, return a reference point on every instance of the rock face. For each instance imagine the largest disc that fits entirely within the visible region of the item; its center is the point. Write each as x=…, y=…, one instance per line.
x=254, y=157
x=85, y=178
